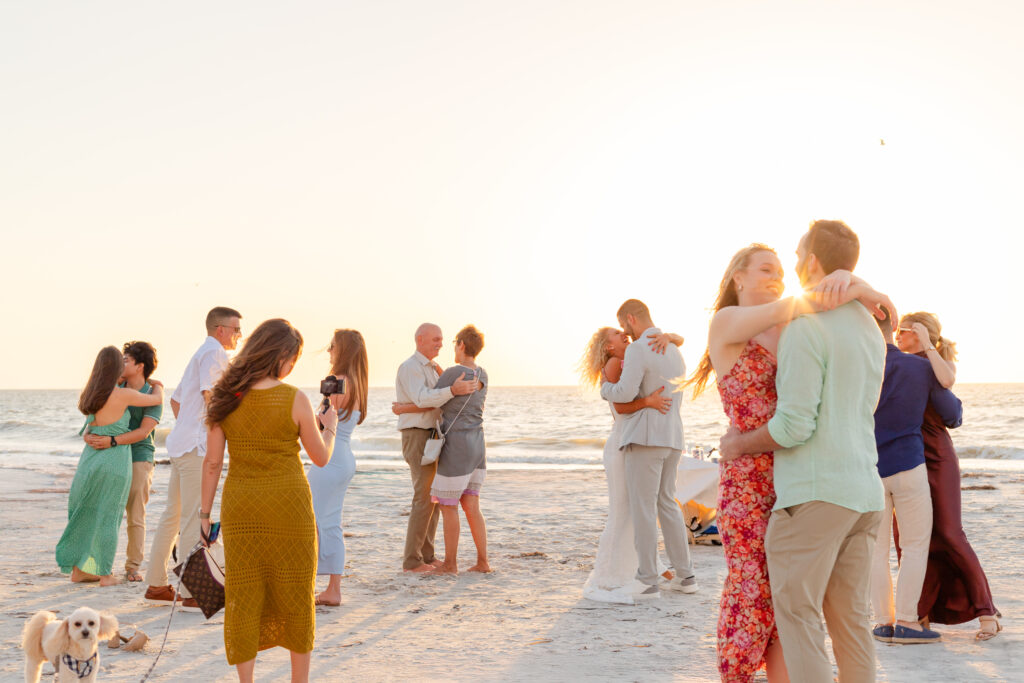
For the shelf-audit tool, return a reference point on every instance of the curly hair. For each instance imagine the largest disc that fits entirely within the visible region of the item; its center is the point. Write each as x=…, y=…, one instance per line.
x=594, y=357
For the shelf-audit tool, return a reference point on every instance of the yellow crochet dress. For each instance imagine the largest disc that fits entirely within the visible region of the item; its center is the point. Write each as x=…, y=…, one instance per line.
x=269, y=530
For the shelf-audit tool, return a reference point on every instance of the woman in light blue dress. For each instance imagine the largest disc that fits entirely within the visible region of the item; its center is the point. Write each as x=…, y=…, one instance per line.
x=329, y=483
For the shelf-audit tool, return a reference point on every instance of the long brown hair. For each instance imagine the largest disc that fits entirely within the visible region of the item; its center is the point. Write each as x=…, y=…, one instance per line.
x=268, y=348
x=106, y=370
x=348, y=357
x=727, y=296
x=945, y=347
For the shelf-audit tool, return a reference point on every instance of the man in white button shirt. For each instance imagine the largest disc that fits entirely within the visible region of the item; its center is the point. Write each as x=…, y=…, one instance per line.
x=415, y=384
x=186, y=447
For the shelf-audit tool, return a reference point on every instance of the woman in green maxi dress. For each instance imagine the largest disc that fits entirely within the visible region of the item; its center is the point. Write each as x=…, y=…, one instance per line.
x=99, y=490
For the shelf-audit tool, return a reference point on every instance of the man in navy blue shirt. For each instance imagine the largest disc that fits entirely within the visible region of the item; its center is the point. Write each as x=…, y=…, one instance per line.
x=909, y=386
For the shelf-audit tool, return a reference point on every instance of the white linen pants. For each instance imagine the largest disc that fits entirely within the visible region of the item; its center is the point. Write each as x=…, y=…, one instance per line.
x=908, y=494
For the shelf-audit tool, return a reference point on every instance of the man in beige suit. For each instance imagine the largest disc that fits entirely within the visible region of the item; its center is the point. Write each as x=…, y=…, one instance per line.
x=653, y=444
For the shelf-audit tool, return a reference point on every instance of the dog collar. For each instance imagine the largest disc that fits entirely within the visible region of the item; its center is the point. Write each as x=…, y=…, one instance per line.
x=82, y=667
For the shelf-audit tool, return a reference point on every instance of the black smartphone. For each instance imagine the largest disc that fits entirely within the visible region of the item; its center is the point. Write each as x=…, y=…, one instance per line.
x=214, y=533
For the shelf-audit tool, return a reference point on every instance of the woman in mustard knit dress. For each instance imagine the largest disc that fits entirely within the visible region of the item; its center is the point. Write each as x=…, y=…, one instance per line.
x=266, y=509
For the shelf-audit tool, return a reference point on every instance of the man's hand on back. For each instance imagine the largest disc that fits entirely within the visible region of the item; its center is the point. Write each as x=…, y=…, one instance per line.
x=728, y=445
x=461, y=387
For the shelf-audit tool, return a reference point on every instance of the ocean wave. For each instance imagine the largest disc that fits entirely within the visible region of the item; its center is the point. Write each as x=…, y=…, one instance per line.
x=990, y=452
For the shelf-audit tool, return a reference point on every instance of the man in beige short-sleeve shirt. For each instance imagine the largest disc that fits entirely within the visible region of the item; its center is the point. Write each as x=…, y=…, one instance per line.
x=415, y=384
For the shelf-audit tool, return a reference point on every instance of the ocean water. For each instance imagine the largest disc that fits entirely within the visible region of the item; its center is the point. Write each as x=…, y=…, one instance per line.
x=525, y=427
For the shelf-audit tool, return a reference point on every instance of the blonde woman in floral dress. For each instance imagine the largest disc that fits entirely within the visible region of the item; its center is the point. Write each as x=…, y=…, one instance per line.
x=749, y=317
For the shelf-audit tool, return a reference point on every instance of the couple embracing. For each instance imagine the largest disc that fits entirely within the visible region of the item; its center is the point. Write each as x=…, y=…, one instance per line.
x=641, y=457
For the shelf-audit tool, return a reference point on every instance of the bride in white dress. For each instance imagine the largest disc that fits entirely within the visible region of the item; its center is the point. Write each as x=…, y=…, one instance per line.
x=616, y=563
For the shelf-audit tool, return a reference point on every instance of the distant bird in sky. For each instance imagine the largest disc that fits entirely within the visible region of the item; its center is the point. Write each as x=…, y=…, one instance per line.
x=883, y=142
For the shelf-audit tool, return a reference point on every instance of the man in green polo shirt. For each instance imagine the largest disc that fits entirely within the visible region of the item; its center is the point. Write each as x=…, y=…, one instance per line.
x=829, y=495
x=139, y=363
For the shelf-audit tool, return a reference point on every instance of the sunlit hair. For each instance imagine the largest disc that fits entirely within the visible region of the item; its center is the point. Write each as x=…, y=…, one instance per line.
x=945, y=347
x=348, y=358
x=219, y=315
x=727, y=296
x=834, y=244
x=634, y=307
x=268, y=348
x=472, y=340
x=106, y=370
x=595, y=357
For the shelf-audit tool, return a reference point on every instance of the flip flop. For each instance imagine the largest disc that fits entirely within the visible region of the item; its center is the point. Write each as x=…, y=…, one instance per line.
x=133, y=577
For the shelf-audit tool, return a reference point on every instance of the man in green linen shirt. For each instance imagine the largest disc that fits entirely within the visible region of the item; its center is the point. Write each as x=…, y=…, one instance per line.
x=139, y=363
x=829, y=495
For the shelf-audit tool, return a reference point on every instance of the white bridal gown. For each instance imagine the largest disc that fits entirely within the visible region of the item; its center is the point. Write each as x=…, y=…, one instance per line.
x=616, y=563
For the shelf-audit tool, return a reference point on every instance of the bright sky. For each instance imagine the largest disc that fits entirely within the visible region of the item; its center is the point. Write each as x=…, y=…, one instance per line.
x=523, y=166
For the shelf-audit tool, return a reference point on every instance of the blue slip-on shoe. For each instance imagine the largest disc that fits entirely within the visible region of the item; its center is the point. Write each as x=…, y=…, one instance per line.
x=882, y=633
x=907, y=636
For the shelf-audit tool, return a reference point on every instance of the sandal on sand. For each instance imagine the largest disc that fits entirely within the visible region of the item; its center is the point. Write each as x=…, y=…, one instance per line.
x=990, y=628
x=133, y=577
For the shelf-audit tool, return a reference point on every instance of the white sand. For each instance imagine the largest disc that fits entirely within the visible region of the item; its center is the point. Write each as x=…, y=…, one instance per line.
x=526, y=621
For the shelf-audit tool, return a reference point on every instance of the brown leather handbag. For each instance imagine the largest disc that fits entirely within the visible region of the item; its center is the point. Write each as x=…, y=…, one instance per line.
x=204, y=579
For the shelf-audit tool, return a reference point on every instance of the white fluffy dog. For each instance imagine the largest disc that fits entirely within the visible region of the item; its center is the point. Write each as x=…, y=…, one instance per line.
x=70, y=645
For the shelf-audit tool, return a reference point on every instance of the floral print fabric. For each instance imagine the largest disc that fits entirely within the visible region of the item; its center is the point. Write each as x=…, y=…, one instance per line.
x=746, y=495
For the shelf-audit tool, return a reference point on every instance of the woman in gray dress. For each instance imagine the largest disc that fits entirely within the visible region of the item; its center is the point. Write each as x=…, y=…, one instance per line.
x=462, y=467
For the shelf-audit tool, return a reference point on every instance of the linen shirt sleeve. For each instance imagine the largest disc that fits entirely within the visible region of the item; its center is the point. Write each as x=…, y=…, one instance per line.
x=411, y=381
x=947, y=405
x=798, y=382
x=628, y=386
x=211, y=367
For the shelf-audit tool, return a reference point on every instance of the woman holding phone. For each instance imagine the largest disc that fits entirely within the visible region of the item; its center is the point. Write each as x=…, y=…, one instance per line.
x=267, y=513
x=329, y=483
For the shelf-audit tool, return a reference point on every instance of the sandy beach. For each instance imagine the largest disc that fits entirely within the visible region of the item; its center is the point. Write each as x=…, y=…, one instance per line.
x=525, y=622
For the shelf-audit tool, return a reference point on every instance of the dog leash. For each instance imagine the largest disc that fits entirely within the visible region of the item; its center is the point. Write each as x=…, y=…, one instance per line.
x=174, y=606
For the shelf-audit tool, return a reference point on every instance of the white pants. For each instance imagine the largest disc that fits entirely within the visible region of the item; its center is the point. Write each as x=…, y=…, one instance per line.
x=909, y=495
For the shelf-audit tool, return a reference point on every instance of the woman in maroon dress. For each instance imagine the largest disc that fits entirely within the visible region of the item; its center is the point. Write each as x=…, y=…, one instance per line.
x=955, y=588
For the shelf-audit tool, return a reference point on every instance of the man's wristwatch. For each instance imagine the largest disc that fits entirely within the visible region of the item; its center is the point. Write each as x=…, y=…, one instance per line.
x=113, y=440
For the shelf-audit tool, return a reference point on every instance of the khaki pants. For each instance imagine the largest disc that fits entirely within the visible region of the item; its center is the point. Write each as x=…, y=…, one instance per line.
x=819, y=560
x=419, y=536
x=138, y=496
x=180, y=520
x=909, y=494
x=651, y=483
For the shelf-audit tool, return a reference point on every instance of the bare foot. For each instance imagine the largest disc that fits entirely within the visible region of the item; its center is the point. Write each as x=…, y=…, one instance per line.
x=437, y=562
x=481, y=567
x=78, y=576
x=329, y=599
x=444, y=570
x=422, y=569
x=109, y=580
x=132, y=576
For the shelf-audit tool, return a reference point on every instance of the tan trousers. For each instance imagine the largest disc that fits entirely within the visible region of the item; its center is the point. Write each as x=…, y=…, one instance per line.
x=419, y=536
x=180, y=520
x=910, y=496
x=138, y=496
x=819, y=560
